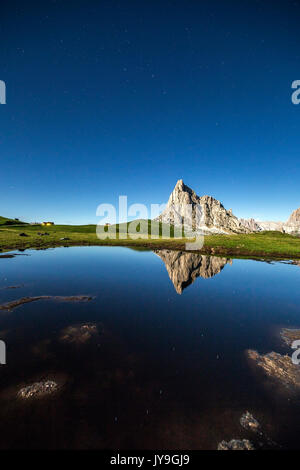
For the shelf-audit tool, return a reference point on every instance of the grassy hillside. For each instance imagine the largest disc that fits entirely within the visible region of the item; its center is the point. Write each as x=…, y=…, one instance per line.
x=256, y=245
x=7, y=221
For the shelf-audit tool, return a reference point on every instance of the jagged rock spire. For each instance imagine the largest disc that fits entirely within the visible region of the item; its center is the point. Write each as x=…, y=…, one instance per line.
x=295, y=217
x=214, y=217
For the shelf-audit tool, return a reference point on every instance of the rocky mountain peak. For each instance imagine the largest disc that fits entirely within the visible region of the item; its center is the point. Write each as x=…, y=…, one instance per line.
x=182, y=194
x=292, y=225
x=179, y=185
x=295, y=217
x=214, y=217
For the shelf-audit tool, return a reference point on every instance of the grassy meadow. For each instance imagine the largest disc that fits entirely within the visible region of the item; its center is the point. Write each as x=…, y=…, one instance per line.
x=256, y=245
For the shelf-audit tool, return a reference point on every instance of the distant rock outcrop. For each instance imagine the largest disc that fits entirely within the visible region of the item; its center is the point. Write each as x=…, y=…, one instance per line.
x=214, y=218
x=251, y=224
x=183, y=268
x=270, y=225
x=292, y=225
x=294, y=218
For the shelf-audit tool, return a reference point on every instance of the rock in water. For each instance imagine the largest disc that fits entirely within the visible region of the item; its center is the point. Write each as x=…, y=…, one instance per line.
x=38, y=389
x=236, y=444
x=214, y=218
x=78, y=334
x=290, y=335
x=278, y=368
x=249, y=422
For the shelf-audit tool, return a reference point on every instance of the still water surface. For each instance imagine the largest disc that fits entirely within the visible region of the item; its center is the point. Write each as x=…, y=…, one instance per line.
x=164, y=365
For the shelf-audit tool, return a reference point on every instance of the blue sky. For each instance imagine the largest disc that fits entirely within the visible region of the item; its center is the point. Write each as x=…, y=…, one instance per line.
x=109, y=98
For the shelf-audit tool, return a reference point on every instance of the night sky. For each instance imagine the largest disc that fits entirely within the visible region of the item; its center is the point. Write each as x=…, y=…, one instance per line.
x=109, y=98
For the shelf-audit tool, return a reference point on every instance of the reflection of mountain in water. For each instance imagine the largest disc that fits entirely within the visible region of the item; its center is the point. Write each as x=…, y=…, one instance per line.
x=183, y=268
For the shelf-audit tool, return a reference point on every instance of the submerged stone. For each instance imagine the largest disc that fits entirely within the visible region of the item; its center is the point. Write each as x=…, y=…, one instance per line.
x=249, y=422
x=289, y=335
x=236, y=444
x=25, y=300
x=78, y=333
x=38, y=389
x=278, y=367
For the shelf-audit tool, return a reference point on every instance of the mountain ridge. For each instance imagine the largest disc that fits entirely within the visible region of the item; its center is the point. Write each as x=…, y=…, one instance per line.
x=214, y=217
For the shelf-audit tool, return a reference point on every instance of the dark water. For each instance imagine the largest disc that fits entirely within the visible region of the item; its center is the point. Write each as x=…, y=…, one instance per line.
x=167, y=368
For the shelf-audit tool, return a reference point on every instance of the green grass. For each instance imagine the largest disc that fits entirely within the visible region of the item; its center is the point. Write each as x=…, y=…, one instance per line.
x=273, y=244
x=258, y=245
x=7, y=221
